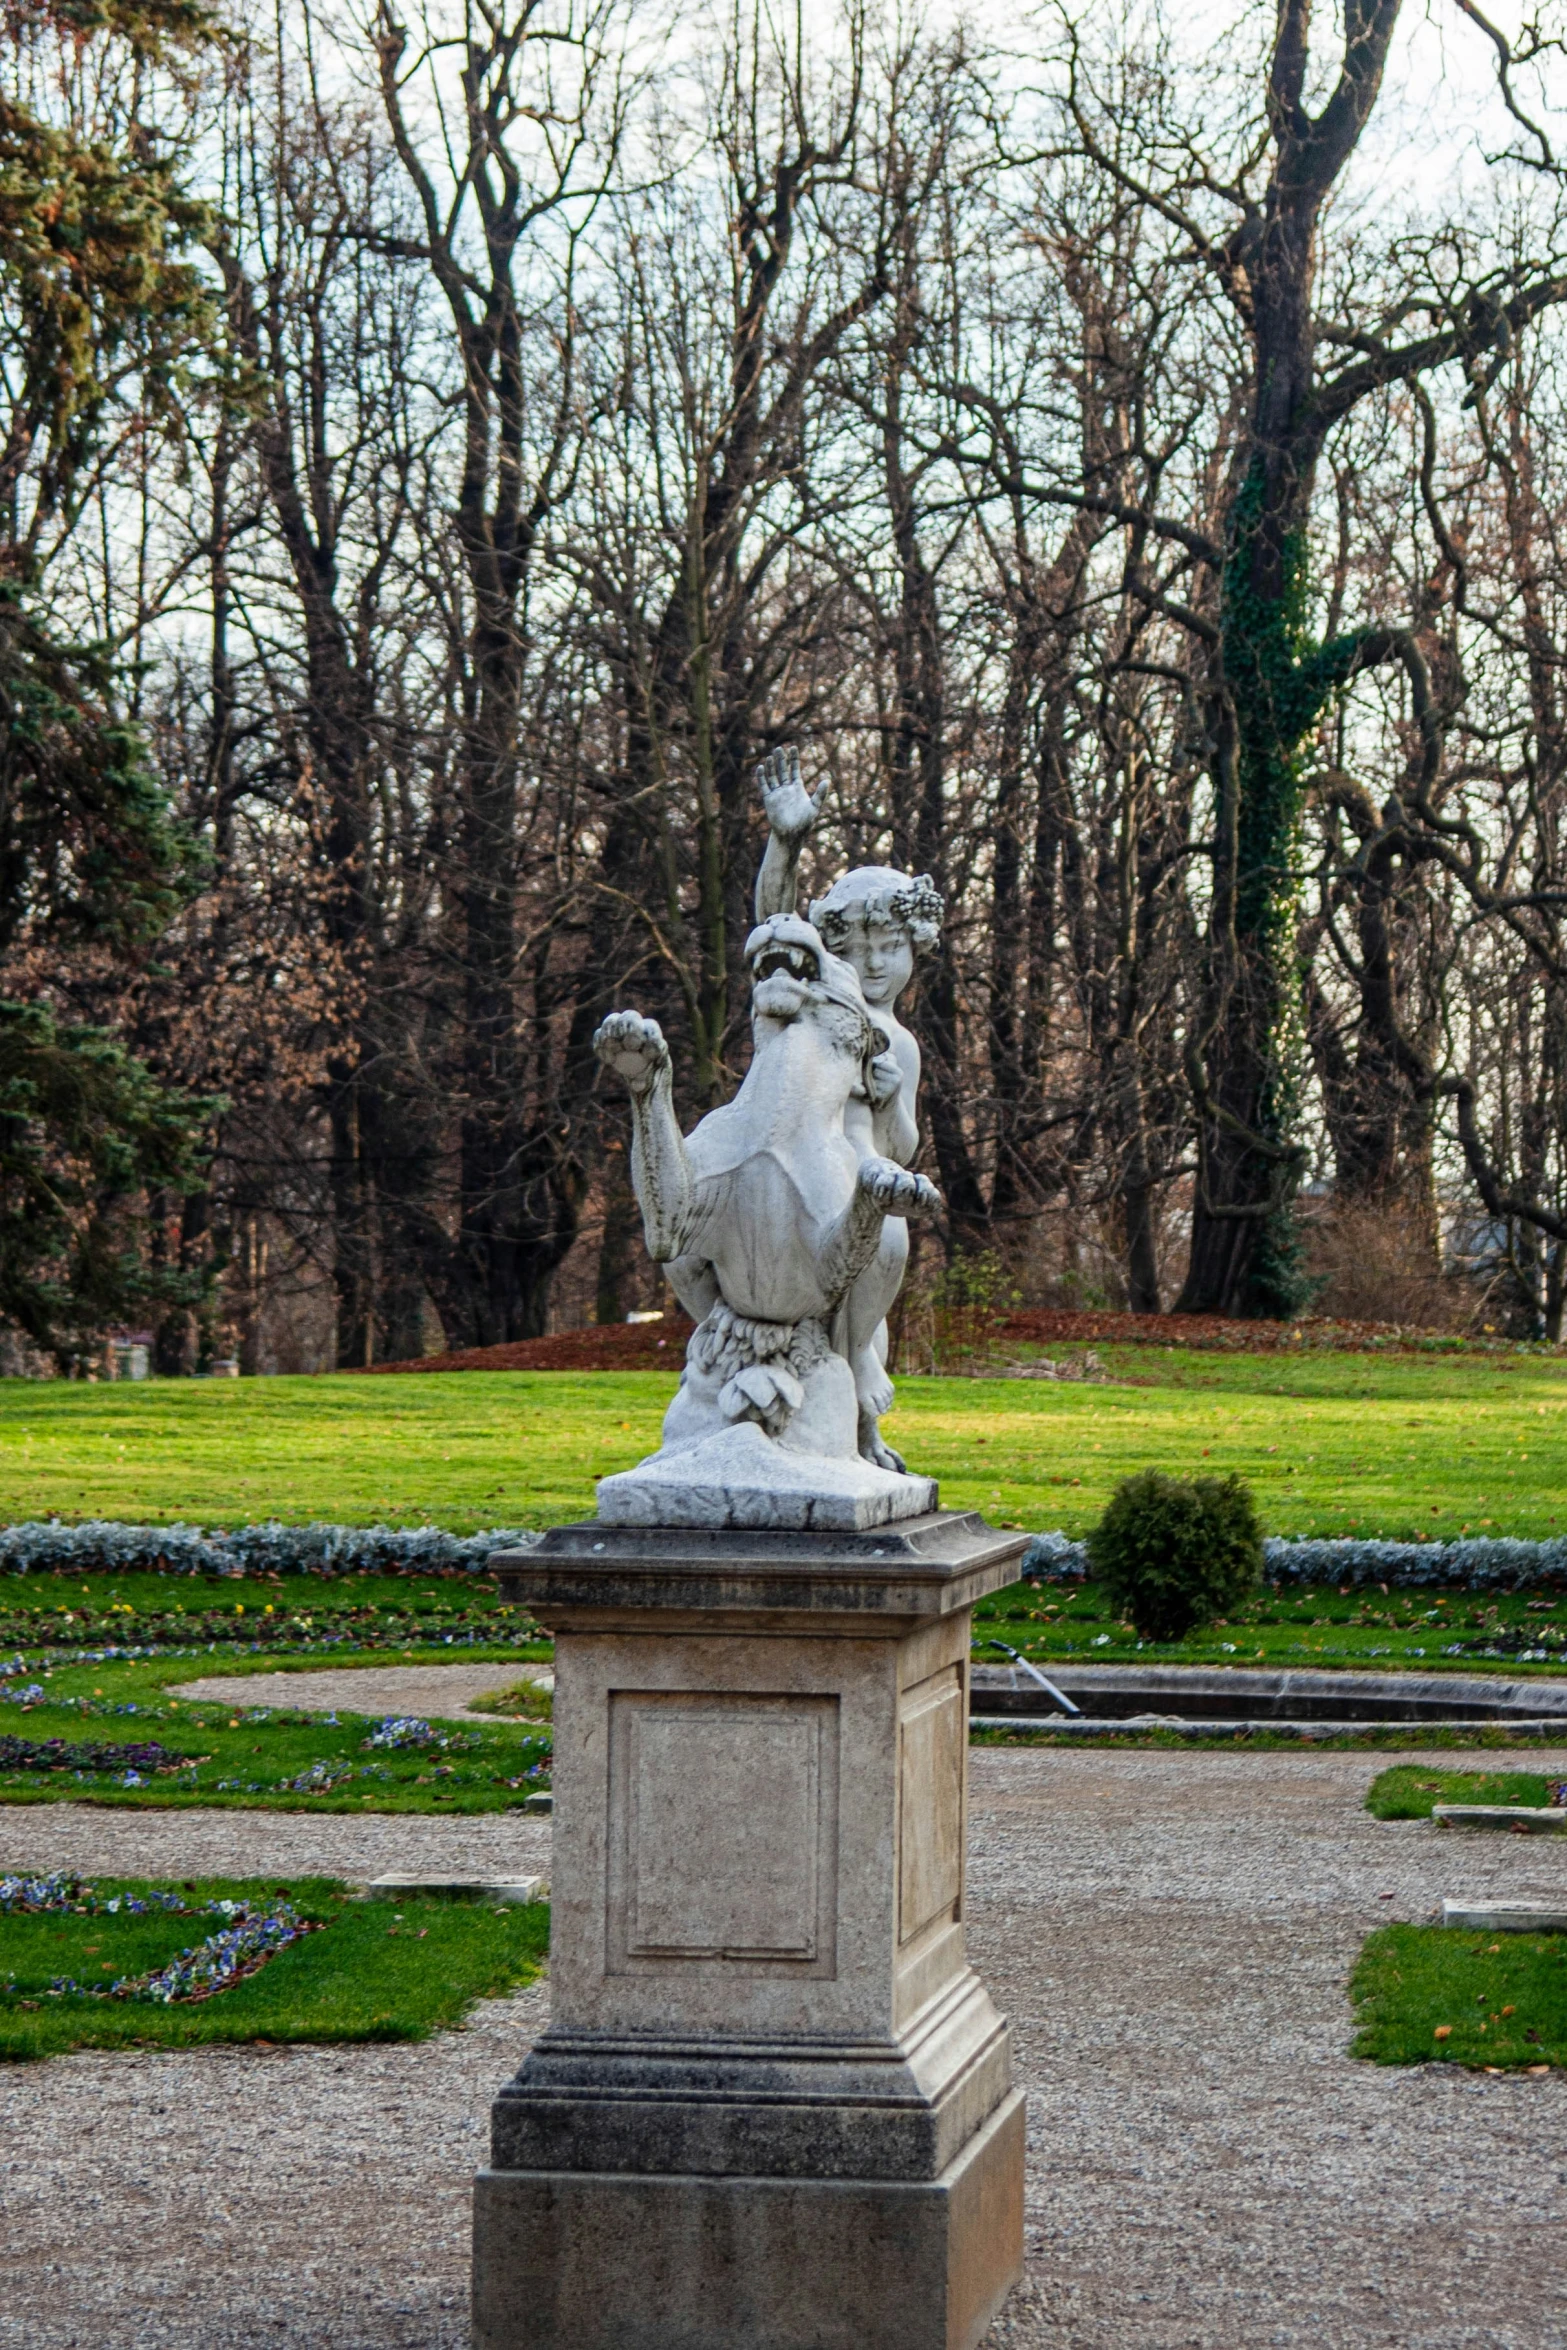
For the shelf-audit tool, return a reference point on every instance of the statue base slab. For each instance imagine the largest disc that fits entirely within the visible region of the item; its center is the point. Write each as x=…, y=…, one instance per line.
x=573, y=2260
x=740, y=1476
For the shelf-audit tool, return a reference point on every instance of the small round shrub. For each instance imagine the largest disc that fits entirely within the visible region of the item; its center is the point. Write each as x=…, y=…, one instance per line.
x=1173, y=1552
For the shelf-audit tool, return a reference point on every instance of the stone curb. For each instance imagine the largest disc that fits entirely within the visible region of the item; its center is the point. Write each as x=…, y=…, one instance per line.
x=515, y=1890
x=1298, y=1692
x=1088, y=1726
x=1508, y=1917
x=1521, y=1819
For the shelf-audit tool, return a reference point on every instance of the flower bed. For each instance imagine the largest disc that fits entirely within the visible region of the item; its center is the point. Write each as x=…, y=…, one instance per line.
x=264, y=1755
x=247, y=1938
x=117, y=1964
x=1475, y=1563
x=82, y=1754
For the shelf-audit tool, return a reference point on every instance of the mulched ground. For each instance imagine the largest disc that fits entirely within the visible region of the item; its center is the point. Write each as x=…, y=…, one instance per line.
x=1043, y=1326
x=657, y=1346
x=606, y=1346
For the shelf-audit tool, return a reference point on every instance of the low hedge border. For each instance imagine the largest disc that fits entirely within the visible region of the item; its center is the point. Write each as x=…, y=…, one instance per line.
x=105, y=1546
x=1492, y=1563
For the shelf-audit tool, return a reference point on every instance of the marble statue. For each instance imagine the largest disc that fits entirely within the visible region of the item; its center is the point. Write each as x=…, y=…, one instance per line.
x=781, y=1219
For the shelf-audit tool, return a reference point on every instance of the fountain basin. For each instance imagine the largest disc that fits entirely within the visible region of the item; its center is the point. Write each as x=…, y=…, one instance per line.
x=1203, y=1700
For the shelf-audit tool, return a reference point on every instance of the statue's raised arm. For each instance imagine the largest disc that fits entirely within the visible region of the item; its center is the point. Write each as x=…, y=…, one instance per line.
x=791, y=811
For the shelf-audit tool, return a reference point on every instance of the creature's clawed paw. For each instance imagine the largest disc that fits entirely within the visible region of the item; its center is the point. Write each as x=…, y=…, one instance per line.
x=897, y=1191
x=633, y=1047
x=875, y=1448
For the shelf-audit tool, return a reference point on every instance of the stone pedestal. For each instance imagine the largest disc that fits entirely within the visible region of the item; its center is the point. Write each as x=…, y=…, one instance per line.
x=773, y=2109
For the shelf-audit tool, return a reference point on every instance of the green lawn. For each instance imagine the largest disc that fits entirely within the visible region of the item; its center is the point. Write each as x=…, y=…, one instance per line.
x=1332, y=1444
x=466, y=1450
x=377, y=1969
x=1429, y=1995
x=1408, y=1791
x=254, y=1758
x=395, y=1614
x=1521, y=1634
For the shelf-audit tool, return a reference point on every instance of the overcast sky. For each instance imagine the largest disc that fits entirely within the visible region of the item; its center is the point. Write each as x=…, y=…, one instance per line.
x=1439, y=111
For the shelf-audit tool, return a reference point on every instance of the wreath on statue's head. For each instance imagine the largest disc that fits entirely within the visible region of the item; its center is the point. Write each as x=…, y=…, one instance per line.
x=909, y=902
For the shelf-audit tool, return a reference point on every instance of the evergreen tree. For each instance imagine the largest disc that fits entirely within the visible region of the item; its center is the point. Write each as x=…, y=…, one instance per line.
x=97, y=300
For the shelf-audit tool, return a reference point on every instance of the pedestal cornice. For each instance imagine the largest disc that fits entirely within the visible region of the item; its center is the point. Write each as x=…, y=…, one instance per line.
x=926, y=1567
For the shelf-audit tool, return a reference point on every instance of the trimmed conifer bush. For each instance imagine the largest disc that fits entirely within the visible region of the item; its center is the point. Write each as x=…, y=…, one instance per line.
x=1173, y=1553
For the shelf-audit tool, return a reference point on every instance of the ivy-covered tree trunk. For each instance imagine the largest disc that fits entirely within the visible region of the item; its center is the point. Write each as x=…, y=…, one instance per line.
x=1271, y=684
x=1265, y=680
x=1245, y=1070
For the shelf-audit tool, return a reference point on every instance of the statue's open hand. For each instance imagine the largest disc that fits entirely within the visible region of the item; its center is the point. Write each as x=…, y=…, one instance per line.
x=896, y=1190
x=633, y=1047
x=791, y=809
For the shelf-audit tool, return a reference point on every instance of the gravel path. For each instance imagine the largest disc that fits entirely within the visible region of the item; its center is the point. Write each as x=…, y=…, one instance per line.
x=1170, y=1934
x=39, y=1837
x=441, y=1692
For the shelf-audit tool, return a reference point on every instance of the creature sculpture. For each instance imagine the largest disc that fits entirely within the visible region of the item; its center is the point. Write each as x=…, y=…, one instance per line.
x=773, y=1219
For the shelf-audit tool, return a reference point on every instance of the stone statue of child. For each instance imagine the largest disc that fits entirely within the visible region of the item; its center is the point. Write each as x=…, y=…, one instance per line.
x=878, y=920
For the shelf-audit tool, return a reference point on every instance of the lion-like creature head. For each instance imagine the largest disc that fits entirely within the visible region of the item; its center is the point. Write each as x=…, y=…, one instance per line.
x=792, y=968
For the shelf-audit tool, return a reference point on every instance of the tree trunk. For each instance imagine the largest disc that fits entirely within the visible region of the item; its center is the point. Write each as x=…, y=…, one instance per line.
x=618, y=1244
x=1245, y=1252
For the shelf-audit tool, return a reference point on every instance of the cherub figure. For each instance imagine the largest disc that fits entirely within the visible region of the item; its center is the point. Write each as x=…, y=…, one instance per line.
x=878, y=920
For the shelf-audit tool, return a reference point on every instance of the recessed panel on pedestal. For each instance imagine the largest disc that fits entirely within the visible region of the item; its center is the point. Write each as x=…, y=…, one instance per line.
x=932, y=1738
x=723, y=1833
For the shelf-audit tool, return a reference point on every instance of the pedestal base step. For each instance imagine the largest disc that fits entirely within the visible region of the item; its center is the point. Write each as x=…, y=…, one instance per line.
x=567, y=2260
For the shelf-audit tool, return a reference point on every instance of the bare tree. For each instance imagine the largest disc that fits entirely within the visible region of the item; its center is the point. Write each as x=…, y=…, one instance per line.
x=506, y=126
x=1319, y=343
